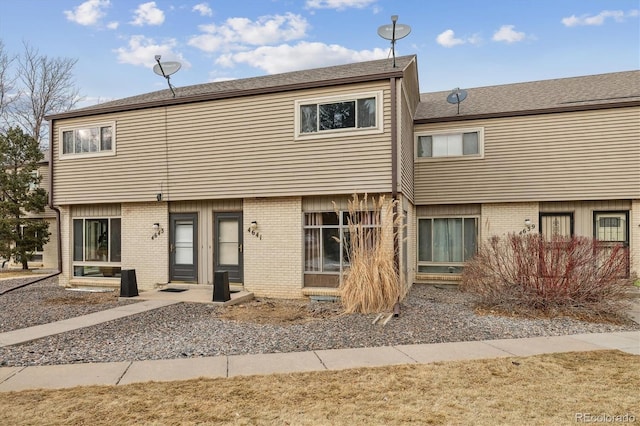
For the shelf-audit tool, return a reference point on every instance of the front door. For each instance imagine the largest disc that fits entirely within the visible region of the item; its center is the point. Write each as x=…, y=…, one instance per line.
x=612, y=229
x=228, y=250
x=183, y=247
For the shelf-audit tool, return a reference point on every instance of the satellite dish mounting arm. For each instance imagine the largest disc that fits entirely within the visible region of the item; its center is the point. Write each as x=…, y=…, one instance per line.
x=168, y=77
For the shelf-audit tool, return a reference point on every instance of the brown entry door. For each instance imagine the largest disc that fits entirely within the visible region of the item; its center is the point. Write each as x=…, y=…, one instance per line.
x=228, y=250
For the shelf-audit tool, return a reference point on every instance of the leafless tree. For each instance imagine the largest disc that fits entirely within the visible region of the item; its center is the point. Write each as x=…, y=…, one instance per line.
x=48, y=87
x=6, y=85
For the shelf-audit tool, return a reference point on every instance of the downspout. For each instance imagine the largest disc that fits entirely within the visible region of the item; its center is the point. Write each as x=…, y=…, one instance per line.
x=51, y=206
x=394, y=185
x=394, y=172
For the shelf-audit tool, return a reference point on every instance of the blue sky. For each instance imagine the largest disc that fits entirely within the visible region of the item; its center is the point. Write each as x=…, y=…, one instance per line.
x=462, y=43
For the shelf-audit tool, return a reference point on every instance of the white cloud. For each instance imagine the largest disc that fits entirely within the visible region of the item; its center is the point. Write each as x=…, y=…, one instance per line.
x=113, y=25
x=448, y=38
x=236, y=33
x=148, y=14
x=507, y=34
x=616, y=15
x=203, y=9
x=141, y=51
x=88, y=13
x=338, y=4
x=284, y=58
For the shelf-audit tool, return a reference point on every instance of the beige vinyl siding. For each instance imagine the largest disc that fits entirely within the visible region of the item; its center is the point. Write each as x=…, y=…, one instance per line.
x=326, y=203
x=564, y=156
x=411, y=85
x=96, y=210
x=448, y=210
x=406, y=149
x=231, y=148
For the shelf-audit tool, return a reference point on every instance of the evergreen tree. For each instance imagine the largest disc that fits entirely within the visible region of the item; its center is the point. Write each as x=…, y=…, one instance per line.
x=20, y=196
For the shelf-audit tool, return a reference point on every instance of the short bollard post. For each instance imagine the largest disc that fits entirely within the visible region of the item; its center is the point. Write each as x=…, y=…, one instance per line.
x=221, y=286
x=128, y=283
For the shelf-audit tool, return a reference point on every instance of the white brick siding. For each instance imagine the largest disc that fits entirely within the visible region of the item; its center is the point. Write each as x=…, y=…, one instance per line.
x=503, y=218
x=273, y=257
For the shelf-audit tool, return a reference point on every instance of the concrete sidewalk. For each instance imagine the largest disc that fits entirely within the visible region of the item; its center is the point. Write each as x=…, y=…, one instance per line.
x=121, y=373
x=39, y=331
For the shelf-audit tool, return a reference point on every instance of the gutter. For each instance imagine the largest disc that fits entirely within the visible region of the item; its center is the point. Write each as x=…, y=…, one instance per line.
x=51, y=206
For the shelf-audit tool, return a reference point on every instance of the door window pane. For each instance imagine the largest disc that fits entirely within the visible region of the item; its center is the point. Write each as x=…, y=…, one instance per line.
x=611, y=227
x=228, y=244
x=77, y=240
x=184, y=242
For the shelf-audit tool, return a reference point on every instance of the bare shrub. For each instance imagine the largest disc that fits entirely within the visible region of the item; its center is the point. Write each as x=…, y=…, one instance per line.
x=521, y=273
x=372, y=282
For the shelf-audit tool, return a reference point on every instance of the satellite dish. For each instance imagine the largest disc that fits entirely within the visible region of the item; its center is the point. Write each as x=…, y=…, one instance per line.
x=401, y=31
x=456, y=96
x=165, y=69
x=394, y=32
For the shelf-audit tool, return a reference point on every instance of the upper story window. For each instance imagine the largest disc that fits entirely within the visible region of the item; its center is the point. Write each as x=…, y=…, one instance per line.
x=455, y=143
x=357, y=113
x=98, y=139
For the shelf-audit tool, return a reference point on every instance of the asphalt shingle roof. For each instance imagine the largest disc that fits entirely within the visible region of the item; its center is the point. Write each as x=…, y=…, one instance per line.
x=317, y=77
x=601, y=89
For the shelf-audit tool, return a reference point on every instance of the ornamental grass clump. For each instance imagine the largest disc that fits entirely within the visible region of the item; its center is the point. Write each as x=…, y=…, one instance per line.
x=371, y=281
x=529, y=274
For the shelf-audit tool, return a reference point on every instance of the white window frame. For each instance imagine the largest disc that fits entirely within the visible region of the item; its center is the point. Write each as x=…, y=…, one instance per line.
x=74, y=155
x=351, y=131
x=479, y=155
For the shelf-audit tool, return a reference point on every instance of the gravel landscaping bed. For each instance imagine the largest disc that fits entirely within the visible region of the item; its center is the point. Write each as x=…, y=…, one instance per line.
x=45, y=302
x=429, y=315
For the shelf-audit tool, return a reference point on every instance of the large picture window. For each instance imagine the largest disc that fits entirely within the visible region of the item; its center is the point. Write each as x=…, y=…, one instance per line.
x=458, y=143
x=326, y=237
x=444, y=244
x=90, y=140
x=96, y=247
x=338, y=114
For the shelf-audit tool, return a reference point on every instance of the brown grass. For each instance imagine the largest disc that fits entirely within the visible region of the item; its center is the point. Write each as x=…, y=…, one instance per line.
x=15, y=273
x=280, y=311
x=546, y=389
